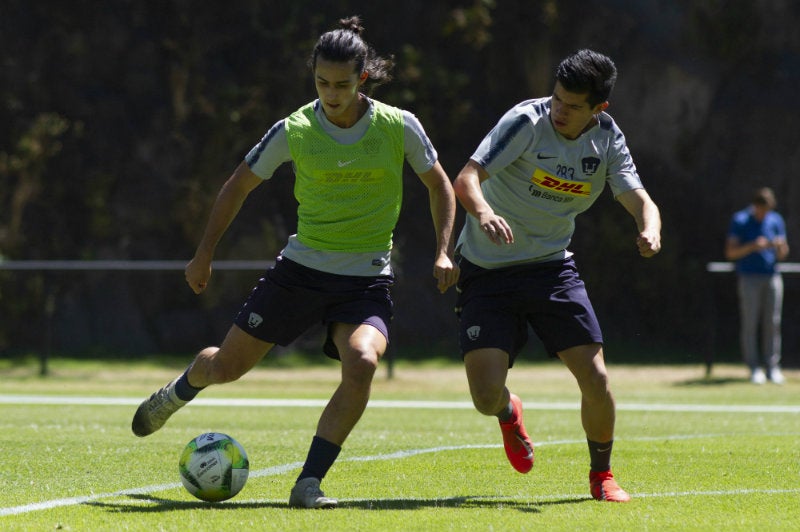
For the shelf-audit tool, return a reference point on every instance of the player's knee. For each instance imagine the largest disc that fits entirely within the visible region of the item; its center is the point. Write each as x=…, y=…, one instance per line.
x=595, y=386
x=359, y=365
x=208, y=352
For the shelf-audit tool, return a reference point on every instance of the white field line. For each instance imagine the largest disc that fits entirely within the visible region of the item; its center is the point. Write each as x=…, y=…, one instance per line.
x=286, y=468
x=377, y=403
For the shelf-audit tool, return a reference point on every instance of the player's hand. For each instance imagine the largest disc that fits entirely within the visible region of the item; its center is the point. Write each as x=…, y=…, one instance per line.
x=496, y=229
x=446, y=273
x=649, y=243
x=198, y=272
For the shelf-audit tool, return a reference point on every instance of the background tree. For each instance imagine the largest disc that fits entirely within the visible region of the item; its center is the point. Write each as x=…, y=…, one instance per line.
x=122, y=118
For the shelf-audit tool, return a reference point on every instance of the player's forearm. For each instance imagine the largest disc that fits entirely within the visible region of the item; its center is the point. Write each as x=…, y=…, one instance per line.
x=442, y=207
x=467, y=188
x=643, y=210
x=443, y=213
x=650, y=217
x=227, y=205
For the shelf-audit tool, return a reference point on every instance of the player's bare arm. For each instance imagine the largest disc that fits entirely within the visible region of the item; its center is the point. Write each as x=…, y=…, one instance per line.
x=648, y=220
x=443, y=212
x=226, y=207
x=467, y=187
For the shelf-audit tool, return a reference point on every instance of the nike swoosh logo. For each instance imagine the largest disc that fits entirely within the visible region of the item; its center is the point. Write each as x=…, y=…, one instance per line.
x=529, y=456
x=342, y=164
x=540, y=156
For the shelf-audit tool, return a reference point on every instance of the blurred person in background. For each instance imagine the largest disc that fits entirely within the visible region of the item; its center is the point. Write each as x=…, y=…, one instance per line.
x=757, y=242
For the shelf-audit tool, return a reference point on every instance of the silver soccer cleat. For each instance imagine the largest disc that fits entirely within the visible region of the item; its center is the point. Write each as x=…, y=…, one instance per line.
x=307, y=494
x=155, y=411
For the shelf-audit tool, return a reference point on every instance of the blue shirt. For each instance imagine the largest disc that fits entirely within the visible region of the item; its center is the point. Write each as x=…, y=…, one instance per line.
x=745, y=228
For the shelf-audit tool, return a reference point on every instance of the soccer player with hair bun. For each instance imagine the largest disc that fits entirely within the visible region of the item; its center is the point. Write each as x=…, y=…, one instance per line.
x=347, y=151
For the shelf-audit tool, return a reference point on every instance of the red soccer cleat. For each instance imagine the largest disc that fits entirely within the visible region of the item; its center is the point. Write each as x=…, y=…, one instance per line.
x=518, y=445
x=605, y=488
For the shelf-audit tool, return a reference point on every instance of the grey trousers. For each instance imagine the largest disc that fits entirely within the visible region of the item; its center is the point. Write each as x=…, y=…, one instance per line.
x=760, y=305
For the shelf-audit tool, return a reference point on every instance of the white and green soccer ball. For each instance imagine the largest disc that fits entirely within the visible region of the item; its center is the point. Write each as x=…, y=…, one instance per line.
x=213, y=467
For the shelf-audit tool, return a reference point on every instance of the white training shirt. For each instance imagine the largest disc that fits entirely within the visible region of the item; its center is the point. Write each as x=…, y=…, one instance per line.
x=540, y=181
x=273, y=150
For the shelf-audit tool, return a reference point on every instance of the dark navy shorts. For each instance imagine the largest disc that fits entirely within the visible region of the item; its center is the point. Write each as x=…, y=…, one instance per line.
x=495, y=307
x=291, y=298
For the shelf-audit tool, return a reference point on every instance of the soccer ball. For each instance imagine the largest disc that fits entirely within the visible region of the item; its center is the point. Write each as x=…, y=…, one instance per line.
x=213, y=467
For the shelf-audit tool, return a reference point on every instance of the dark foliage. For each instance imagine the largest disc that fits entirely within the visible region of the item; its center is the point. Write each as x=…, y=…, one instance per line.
x=121, y=120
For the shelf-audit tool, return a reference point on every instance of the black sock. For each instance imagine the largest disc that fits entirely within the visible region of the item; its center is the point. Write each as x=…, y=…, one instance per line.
x=505, y=414
x=600, y=455
x=321, y=457
x=184, y=390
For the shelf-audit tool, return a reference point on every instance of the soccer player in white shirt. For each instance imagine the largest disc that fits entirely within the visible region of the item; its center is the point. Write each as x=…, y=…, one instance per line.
x=546, y=161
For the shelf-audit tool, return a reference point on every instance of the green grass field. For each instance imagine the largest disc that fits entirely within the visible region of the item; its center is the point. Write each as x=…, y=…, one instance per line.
x=695, y=453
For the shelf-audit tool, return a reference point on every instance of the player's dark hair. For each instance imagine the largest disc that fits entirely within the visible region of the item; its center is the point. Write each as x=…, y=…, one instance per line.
x=587, y=71
x=345, y=44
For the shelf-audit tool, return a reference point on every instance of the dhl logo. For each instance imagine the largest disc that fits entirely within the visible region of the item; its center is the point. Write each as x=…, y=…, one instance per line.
x=352, y=176
x=563, y=186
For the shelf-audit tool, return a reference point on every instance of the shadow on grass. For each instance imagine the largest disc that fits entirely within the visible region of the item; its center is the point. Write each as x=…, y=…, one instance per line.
x=713, y=381
x=456, y=502
x=166, y=505
x=152, y=504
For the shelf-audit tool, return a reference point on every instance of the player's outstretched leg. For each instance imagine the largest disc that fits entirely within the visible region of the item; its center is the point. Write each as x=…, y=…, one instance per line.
x=307, y=494
x=605, y=488
x=155, y=411
x=518, y=445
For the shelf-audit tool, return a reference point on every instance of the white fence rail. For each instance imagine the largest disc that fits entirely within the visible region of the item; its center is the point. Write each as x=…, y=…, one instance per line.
x=721, y=267
x=136, y=265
